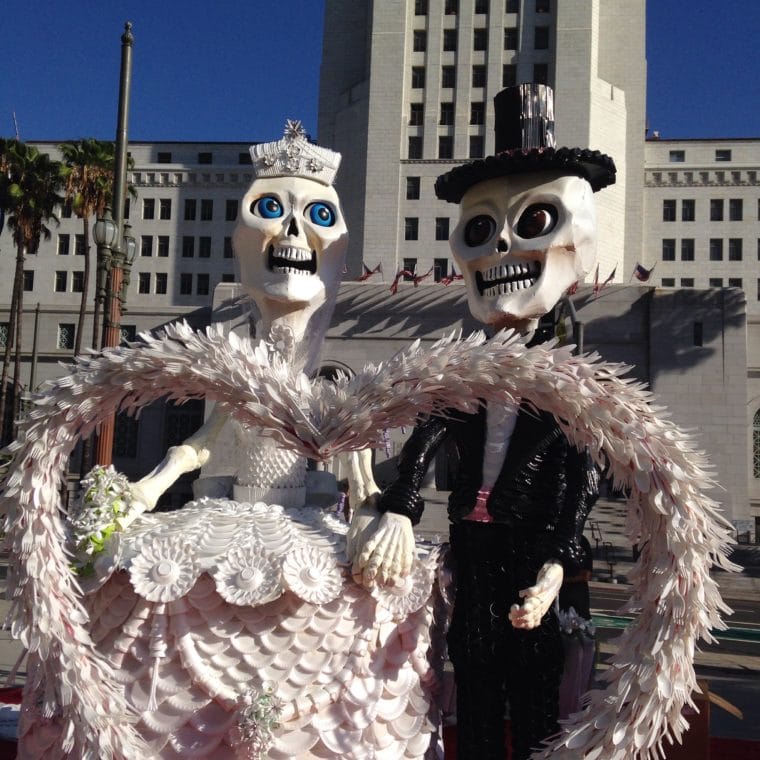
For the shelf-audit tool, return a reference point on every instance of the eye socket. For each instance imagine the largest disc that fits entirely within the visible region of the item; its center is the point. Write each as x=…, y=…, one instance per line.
x=267, y=207
x=478, y=230
x=536, y=220
x=321, y=213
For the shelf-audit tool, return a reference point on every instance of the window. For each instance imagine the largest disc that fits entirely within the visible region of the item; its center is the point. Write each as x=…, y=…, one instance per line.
x=61, y=280
x=416, y=114
x=3, y=334
x=541, y=73
x=227, y=248
x=411, y=228
x=668, y=211
x=687, y=249
x=481, y=6
x=543, y=6
x=204, y=247
x=182, y=420
x=688, y=210
x=418, y=40
x=716, y=249
x=447, y=114
x=513, y=6
x=668, y=249
x=687, y=282
x=410, y=266
x=188, y=247
x=79, y=245
x=510, y=38
x=735, y=249
x=420, y=7
x=440, y=269
x=202, y=284
x=480, y=39
x=677, y=156
x=126, y=208
x=415, y=147
x=722, y=155
x=244, y=158
x=63, y=245
x=756, y=444
x=66, y=334
x=125, y=435
x=77, y=281
x=161, y=282
x=28, y=280
x=476, y=146
x=735, y=209
x=143, y=282
x=478, y=76
x=165, y=208
x=164, y=157
x=441, y=228
x=205, y=158
x=451, y=7
x=227, y=277
x=735, y=282
x=146, y=245
x=418, y=77
x=185, y=284
x=715, y=282
x=698, y=334
x=477, y=113
x=231, y=210
x=450, y=39
x=541, y=38
x=448, y=76
x=190, y=209
x=66, y=211
x=716, y=210
x=149, y=208
x=163, y=246
x=668, y=282
x=412, y=188
x=445, y=146
x=508, y=75
x=207, y=210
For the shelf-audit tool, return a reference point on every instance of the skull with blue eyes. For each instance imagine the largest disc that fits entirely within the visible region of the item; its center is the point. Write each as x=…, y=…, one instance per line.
x=290, y=240
x=521, y=242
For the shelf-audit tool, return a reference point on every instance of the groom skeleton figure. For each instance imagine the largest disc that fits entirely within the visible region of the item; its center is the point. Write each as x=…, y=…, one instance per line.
x=526, y=233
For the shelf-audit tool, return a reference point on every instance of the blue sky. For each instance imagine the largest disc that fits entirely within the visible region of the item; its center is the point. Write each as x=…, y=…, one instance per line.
x=235, y=70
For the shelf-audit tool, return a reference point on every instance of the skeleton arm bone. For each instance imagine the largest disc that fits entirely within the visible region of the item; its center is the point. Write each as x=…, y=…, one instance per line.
x=188, y=456
x=538, y=598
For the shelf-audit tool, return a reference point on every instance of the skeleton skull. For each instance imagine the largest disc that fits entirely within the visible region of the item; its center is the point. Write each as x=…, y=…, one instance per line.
x=290, y=241
x=521, y=241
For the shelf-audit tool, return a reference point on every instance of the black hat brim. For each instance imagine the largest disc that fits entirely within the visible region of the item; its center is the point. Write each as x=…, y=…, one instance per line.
x=596, y=168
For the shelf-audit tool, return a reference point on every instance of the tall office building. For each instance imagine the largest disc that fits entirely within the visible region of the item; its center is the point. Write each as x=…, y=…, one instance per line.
x=406, y=93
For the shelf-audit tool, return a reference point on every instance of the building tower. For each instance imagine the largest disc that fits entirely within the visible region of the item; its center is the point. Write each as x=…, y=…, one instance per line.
x=406, y=93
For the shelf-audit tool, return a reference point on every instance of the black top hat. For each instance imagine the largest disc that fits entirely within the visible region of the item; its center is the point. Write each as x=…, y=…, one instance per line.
x=524, y=132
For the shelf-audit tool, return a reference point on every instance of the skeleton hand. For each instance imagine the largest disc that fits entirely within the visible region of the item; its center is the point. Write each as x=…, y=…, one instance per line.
x=538, y=598
x=387, y=555
x=364, y=523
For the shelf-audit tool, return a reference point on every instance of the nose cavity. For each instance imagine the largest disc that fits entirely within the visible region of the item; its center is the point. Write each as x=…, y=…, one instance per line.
x=293, y=227
x=502, y=246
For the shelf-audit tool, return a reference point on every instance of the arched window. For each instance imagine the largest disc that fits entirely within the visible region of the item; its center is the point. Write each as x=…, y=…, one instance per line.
x=756, y=445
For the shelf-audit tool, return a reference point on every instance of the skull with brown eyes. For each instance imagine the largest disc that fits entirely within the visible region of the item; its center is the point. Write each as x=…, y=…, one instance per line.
x=290, y=241
x=521, y=242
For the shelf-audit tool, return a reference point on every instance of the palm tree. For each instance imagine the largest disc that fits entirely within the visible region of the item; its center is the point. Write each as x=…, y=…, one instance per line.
x=89, y=180
x=30, y=182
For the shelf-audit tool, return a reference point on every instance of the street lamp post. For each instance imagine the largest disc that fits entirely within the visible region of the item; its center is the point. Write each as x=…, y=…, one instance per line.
x=117, y=257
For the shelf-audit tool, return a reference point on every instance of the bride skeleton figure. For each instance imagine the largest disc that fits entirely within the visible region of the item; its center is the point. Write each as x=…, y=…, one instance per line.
x=229, y=627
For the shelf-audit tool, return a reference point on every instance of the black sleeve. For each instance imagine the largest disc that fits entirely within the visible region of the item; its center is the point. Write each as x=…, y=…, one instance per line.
x=402, y=497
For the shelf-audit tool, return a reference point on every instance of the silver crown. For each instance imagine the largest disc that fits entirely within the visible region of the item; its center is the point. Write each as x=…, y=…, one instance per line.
x=295, y=156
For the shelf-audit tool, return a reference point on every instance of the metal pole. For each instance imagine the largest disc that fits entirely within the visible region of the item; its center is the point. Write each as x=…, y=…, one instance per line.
x=33, y=369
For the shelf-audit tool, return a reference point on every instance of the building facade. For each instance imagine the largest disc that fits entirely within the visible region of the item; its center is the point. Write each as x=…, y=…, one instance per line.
x=406, y=93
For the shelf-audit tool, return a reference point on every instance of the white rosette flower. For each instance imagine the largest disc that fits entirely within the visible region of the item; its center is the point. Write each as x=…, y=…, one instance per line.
x=409, y=594
x=248, y=577
x=165, y=570
x=312, y=575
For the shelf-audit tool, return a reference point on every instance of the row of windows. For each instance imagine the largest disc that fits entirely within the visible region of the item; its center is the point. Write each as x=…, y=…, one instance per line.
x=451, y=7
x=712, y=282
x=477, y=114
x=204, y=157
x=204, y=247
x=679, y=156
x=480, y=39
x=440, y=269
x=412, y=228
x=717, y=210
x=715, y=249
x=479, y=75
x=191, y=209
x=446, y=146
x=201, y=283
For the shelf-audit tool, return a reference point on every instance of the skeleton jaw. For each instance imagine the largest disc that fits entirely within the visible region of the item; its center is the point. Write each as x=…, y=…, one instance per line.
x=504, y=278
x=291, y=260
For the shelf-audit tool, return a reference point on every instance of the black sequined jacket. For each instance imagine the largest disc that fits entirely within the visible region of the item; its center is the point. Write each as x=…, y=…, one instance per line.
x=546, y=487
